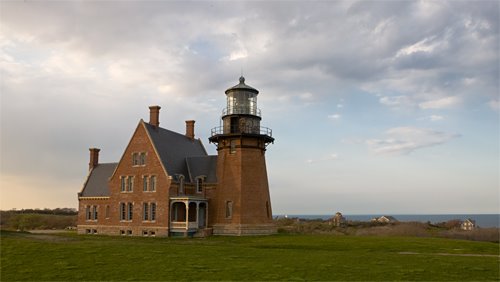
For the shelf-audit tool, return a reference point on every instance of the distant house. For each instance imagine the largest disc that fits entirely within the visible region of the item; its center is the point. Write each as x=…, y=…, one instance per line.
x=468, y=224
x=338, y=220
x=385, y=219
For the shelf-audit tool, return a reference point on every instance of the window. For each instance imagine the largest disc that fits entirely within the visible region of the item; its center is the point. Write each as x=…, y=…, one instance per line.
x=88, y=231
x=153, y=211
x=129, y=232
x=138, y=159
x=233, y=147
x=152, y=233
x=94, y=212
x=145, y=211
x=91, y=212
x=122, y=178
x=135, y=159
x=199, y=185
x=142, y=160
x=88, y=214
x=229, y=209
x=145, y=183
x=152, y=183
x=122, y=232
x=145, y=233
x=130, y=209
x=123, y=212
x=107, y=211
x=130, y=183
x=149, y=211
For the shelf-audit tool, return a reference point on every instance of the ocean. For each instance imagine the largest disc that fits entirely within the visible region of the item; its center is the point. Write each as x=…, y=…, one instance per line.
x=482, y=220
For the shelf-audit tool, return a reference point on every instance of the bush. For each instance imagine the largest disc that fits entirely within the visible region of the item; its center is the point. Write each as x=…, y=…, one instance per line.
x=37, y=221
x=479, y=234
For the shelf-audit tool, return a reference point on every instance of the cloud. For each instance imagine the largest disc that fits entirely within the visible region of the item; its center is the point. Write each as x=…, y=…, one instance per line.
x=404, y=140
x=400, y=101
x=435, y=117
x=494, y=104
x=432, y=118
x=334, y=116
x=441, y=103
x=333, y=156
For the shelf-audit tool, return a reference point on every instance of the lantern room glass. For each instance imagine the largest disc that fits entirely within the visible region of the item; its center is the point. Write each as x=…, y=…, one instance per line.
x=242, y=102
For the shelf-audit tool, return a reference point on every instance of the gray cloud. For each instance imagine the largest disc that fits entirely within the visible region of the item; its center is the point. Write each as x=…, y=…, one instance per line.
x=404, y=140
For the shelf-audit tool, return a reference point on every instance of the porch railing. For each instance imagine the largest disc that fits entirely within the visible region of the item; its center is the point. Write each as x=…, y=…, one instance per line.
x=183, y=225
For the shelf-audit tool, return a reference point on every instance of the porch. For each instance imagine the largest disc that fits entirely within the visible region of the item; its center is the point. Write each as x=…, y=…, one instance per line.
x=188, y=215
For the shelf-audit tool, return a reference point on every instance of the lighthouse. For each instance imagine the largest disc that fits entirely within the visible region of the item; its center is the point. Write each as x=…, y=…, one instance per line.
x=242, y=204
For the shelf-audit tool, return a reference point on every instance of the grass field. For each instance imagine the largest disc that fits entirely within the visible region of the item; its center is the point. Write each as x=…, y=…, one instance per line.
x=72, y=257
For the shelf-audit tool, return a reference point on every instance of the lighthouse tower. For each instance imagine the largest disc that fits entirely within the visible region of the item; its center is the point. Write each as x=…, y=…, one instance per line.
x=242, y=204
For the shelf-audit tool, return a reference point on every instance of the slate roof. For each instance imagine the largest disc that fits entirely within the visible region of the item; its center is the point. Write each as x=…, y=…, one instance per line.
x=178, y=153
x=97, y=182
x=206, y=165
x=174, y=148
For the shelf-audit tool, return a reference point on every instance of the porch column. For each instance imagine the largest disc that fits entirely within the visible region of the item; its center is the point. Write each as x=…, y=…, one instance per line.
x=197, y=213
x=187, y=215
x=206, y=214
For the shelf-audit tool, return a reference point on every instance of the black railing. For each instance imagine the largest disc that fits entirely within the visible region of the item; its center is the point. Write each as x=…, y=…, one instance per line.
x=259, y=130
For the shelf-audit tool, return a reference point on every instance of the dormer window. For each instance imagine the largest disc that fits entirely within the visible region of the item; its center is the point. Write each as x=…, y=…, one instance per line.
x=199, y=184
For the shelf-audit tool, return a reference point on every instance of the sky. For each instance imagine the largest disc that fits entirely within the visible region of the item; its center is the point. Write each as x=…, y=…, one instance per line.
x=377, y=107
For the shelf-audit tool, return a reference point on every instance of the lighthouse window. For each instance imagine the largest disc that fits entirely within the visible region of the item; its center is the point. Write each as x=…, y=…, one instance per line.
x=229, y=209
x=233, y=147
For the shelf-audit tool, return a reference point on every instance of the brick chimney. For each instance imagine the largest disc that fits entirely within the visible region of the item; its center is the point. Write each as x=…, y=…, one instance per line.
x=190, y=129
x=154, y=116
x=94, y=157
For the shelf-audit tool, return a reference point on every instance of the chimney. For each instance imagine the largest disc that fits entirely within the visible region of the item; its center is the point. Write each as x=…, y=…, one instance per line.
x=154, y=116
x=94, y=157
x=190, y=129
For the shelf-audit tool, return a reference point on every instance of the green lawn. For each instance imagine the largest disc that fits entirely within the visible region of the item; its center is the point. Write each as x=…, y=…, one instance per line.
x=280, y=257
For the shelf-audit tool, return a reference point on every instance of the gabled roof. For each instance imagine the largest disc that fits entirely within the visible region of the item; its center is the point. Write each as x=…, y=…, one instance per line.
x=206, y=166
x=97, y=182
x=173, y=148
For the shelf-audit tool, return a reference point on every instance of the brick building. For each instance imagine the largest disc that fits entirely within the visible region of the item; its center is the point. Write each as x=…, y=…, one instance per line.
x=165, y=183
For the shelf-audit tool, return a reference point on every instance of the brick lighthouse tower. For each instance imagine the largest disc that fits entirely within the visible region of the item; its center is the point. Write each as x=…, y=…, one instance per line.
x=242, y=205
